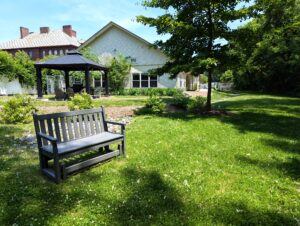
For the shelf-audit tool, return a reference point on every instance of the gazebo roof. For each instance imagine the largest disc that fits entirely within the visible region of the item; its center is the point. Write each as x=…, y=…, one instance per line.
x=73, y=61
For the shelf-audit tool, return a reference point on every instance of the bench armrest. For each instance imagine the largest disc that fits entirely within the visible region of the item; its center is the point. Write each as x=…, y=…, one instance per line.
x=47, y=137
x=121, y=124
x=116, y=123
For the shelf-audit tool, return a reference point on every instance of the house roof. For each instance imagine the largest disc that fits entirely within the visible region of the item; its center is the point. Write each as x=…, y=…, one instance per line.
x=36, y=39
x=106, y=28
x=73, y=60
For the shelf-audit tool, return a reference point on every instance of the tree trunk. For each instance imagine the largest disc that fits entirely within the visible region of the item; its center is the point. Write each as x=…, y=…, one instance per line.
x=209, y=48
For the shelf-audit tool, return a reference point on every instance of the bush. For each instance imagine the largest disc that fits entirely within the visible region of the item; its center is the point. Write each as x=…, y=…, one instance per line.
x=19, y=109
x=80, y=102
x=154, y=105
x=197, y=104
x=227, y=76
x=181, y=101
x=149, y=92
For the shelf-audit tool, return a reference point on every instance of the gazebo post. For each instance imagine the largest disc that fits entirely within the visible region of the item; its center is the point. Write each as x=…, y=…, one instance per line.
x=67, y=79
x=87, y=81
x=39, y=81
x=106, y=83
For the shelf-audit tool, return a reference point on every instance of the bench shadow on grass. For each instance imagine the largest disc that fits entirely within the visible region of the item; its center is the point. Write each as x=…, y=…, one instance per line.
x=28, y=198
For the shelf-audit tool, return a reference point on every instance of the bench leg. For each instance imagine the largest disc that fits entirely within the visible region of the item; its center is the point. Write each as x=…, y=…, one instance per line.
x=57, y=170
x=43, y=161
x=123, y=146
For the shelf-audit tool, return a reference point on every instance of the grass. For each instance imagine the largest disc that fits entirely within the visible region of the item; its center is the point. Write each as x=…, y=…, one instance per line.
x=242, y=169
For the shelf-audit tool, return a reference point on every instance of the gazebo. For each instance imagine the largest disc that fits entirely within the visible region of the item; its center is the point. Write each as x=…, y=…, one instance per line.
x=72, y=61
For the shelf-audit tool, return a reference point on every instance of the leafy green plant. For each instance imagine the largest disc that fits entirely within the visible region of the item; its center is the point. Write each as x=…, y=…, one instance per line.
x=80, y=102
x=197, y=104
x=181, y=101
x=227, y=76
x=149, y=92
x=18, y=109
x=154, y=105
x=203, y=79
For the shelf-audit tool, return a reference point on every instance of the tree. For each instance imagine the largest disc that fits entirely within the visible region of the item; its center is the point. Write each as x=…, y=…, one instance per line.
x=24, y=69
x=7, y=65
x=194, y=26
x=266, y=51
x=19, y=67
x=119, y=69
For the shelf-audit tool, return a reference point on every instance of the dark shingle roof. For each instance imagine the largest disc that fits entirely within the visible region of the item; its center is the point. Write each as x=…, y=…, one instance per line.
x=73, y=60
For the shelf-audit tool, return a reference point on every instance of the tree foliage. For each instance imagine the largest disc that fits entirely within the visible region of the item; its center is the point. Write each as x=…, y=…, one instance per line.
x=265, y=53
x=193, y=26
x=19, y=67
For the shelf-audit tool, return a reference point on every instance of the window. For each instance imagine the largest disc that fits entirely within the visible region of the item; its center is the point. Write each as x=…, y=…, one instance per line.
x=44, y=53
x=30, y=53
x=61, y=52
x=143, y=80
x=55, y=52
x=136, y=80
x=50, y=52
x=153, y=81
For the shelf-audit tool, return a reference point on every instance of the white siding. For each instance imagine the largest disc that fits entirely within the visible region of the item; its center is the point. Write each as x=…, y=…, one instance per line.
x=115, y=41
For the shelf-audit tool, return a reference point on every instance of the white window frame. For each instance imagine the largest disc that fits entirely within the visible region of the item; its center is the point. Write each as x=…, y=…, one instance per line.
x=140, y=80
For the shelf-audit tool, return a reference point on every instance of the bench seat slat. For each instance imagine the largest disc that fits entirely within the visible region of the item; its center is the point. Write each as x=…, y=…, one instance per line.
x=57, y=131
x=92, y=124
x=70, y=129
x=63, y=129
x=43, y=130
x=86, y=125
x=76, y=129
x=97, y=123
x=67, y=147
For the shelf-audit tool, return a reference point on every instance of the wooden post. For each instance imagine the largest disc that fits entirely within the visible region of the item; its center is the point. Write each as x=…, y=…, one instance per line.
x=106, y=83
x=39, y=82
x=67, y=79
x=87, y=81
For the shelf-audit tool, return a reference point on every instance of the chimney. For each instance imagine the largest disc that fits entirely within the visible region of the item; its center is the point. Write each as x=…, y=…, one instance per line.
x=74, y=33
x=44, y=30
x=68, y=30
x=24, y=31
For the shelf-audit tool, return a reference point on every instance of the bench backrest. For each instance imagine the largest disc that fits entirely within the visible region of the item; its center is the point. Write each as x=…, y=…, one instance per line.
x=67, y=126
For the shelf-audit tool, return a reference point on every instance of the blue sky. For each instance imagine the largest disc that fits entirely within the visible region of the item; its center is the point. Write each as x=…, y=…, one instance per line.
x=85, y=16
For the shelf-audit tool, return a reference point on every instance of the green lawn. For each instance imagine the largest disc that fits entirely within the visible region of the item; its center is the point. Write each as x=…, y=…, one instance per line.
x=241, y=169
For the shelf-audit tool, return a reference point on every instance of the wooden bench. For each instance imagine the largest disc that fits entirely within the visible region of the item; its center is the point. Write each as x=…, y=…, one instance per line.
x=63, y=135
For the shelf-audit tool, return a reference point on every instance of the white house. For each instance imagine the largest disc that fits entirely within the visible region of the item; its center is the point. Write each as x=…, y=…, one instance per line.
x=114, y=39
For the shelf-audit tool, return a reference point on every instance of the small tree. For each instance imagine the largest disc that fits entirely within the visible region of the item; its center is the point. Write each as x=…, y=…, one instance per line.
x=119, y=70
x=25, y=70
x=7, y=66
x=194, y=27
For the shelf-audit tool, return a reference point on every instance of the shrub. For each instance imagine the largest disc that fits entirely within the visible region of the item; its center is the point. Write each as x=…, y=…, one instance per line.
x=154, y=105
x=80, y=102
x=180, y=100
x=19, y=109
x=149, y=92
x=197, y=104
x=227, y=76
x=203, y=79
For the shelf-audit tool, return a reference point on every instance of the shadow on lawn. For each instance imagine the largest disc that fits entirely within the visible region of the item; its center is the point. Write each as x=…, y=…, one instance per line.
x=152, y=201
x=27, y=198
x=287, y=105
x=291, y=167
x=230, y=212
